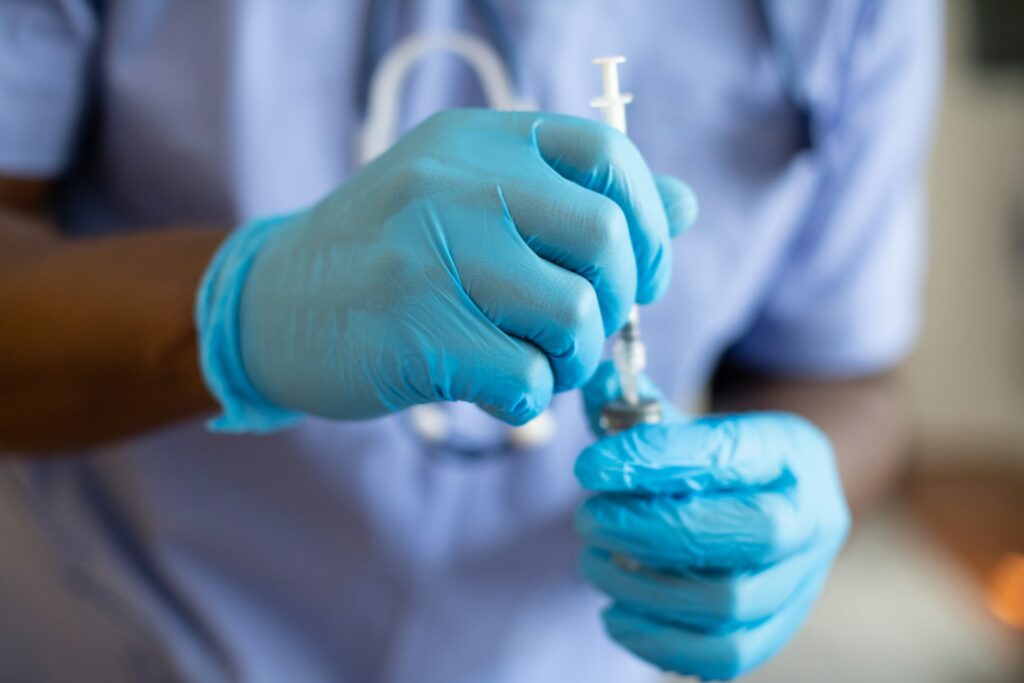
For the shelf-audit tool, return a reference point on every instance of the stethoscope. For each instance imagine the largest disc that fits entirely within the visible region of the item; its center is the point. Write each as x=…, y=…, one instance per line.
x=387, y=81
x=430, y=422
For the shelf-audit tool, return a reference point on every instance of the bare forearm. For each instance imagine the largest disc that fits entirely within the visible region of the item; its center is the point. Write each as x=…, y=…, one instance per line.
x=98, y=341
x=865, y=418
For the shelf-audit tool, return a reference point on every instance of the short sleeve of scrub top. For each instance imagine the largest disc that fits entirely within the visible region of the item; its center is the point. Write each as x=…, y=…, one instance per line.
x=846, y=301
x=44, y=69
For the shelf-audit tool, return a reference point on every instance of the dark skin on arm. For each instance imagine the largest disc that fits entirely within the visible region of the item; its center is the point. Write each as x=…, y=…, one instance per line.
x=97, y=338
x=98, y=343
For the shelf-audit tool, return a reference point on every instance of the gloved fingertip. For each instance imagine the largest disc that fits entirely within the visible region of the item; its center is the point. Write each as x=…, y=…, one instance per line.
x=515, y=416
x=519, y=412
x=616, y=620
x=639, y=634
x=654, y=283
x=576, y=367
x=680, y=202
x=582, y=521
x=670, y=647
x=596, y=470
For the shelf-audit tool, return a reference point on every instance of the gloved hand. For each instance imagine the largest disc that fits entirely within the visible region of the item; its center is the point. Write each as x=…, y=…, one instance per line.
x=729, y=523
x=483, y=258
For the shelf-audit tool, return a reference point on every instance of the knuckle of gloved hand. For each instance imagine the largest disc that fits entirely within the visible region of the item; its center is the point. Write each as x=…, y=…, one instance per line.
x=614, y=147
x=735, y=605
x=579, y=316
x=775, y=529
x=612, y=253
x=414, y=179
x=578, y=308
x=607, y=230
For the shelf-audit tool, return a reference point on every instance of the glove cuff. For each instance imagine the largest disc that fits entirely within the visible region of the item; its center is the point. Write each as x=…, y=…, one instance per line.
x=243, y=407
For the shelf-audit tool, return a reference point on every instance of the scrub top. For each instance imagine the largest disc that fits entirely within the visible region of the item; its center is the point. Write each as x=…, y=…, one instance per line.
x=364, y=551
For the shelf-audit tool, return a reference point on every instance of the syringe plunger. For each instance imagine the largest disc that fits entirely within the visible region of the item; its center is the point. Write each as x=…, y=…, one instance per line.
x=612, y=102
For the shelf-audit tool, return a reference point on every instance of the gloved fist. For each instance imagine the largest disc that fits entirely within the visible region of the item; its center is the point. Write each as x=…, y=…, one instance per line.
x=713, y=536
x=483, y=258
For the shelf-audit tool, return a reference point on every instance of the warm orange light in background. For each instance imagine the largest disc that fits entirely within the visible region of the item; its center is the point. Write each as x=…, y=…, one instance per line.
x=1006, y=590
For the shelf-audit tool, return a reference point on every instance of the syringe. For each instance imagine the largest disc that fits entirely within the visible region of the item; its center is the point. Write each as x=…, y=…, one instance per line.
x=628, y=351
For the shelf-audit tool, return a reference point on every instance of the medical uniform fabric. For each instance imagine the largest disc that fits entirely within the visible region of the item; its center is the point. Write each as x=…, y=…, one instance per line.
x=359, y=551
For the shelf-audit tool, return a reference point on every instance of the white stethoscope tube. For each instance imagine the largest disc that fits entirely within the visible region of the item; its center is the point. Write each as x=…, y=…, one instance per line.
x=389, y=78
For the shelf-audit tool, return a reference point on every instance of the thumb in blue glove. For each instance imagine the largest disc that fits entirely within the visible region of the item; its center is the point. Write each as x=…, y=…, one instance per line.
x=733, y=523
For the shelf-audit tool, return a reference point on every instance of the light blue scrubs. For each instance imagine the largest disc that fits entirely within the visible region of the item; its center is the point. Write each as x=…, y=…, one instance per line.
x=358, y=551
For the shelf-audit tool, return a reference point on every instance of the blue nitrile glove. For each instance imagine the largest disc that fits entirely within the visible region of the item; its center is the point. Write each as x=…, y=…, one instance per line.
x=729, y=523
x=483, y=258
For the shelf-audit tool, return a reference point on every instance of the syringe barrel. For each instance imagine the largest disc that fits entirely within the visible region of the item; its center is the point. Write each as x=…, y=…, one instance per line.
x=615, y=116
x=629, y=357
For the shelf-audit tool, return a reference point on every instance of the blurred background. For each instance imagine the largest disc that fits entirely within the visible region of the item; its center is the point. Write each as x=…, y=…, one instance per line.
x=931, y=588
